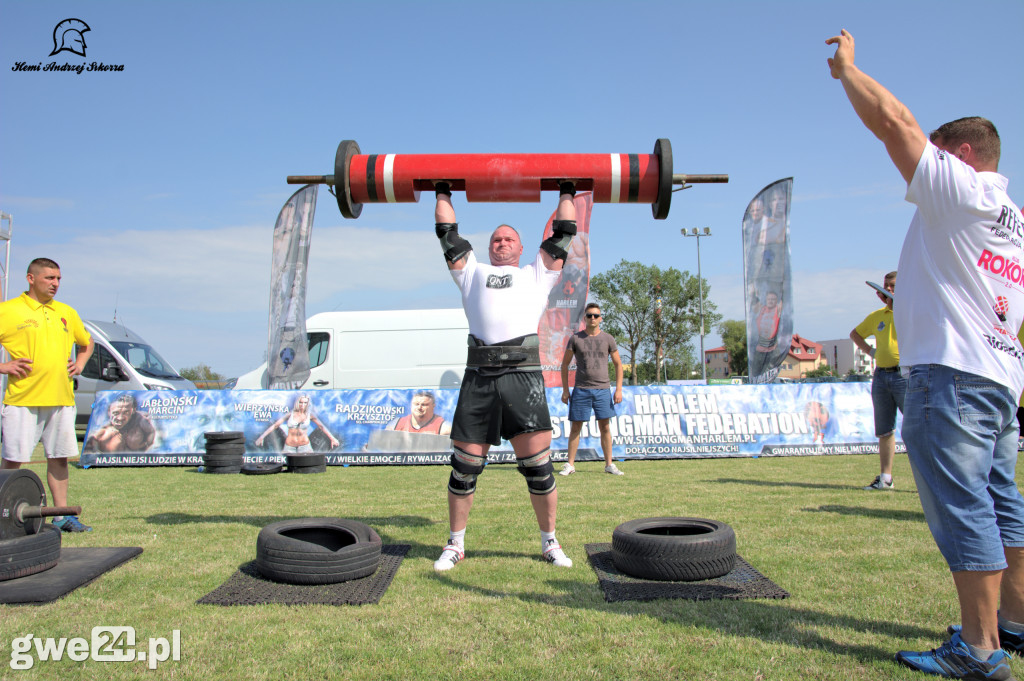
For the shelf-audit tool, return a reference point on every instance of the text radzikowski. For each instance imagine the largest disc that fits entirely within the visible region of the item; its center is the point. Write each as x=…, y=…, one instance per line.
x=77, y=68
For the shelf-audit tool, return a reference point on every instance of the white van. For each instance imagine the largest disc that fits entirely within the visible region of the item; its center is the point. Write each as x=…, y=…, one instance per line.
x=380, y=349
x=121, y=360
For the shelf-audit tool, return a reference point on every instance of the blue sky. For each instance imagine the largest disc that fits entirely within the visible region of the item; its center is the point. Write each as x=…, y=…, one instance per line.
x=157, y=188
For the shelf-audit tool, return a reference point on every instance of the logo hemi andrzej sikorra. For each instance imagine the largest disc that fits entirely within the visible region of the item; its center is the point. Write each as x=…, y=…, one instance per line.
x=68, y=36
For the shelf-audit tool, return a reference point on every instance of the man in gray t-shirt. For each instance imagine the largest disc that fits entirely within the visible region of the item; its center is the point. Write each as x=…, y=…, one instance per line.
x=591, y=347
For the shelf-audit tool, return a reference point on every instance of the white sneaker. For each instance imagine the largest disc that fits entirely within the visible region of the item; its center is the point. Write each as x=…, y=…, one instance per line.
x=555, y=555
x=878, y=483
x=451, y=555
x=613, y=470
x=567, y=469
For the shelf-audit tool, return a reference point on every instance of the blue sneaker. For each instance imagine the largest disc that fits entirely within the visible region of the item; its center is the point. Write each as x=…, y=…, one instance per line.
x=1009, y=641
x=71, y=524
x=954, y=660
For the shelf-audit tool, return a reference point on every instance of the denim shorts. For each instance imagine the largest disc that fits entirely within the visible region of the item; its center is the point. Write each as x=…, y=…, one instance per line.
x=583, y=400
x=887, y=391
x=961, y=435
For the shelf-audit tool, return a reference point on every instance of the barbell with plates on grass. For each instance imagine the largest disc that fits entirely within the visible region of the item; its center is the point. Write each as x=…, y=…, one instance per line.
x=23, y=504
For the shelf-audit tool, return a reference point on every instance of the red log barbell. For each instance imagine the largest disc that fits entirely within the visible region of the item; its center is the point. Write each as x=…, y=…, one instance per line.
x=504, y=178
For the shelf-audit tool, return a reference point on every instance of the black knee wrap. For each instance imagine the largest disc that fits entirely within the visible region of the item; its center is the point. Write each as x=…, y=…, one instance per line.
x=465, y=469
x=538, y=472
x=562, y=232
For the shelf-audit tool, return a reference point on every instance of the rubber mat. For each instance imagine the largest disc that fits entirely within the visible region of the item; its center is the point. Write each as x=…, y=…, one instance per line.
x=77, y=567
x=248, y=587
x=744, y=581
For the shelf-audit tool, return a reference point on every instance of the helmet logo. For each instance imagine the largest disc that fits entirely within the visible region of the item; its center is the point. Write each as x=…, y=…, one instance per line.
x=68, y=36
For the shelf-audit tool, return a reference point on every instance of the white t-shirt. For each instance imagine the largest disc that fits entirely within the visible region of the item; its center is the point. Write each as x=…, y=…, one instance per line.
x=504, y=302
x=961, y=283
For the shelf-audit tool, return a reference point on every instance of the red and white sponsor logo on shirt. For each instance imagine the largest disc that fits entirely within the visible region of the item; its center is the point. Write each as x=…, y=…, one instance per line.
x=1007, y=268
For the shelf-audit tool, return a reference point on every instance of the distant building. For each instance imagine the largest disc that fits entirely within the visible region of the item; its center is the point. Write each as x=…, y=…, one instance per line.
x=804, y=355
x=717, y=360
x=843, y=356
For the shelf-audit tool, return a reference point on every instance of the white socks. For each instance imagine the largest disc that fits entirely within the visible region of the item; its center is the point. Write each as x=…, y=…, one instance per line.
x=459, y=537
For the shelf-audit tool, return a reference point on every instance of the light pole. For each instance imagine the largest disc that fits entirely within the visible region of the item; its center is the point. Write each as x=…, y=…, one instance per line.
x=700, y=285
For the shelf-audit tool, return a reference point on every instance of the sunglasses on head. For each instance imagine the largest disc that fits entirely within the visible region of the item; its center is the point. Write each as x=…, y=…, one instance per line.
x=591, y=315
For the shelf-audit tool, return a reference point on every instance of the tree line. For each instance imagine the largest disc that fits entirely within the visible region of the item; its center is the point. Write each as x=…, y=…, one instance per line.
x=654, y=315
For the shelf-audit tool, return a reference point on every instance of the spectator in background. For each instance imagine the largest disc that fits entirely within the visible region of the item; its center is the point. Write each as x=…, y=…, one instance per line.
x=39, y=333
x=888, y=386
x=592, y=393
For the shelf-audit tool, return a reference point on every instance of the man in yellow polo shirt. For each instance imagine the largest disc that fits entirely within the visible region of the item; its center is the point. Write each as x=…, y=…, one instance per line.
x=888, y=386
x=38, y=333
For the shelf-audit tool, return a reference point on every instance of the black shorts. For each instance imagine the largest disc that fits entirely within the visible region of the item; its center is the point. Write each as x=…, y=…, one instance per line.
x=494, y=407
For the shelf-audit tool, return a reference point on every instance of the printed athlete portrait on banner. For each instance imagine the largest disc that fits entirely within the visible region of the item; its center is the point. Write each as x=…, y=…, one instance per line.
x=127, y=429
x=292, y=434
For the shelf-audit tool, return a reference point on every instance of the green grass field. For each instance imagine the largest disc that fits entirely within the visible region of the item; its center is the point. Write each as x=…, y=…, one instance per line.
x=864, y=576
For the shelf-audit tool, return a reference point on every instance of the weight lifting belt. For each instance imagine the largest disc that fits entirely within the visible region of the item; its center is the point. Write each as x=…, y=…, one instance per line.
x=538, y=470
x=562, y=232
x=522, y=354
x=453, y=245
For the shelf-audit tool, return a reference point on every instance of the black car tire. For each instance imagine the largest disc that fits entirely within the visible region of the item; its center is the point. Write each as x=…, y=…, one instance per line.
x=317, y=551
x=24, y=556
x=674, y=549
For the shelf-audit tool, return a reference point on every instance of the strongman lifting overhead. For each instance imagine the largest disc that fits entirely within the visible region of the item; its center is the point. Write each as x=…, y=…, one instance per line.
x=502, y=394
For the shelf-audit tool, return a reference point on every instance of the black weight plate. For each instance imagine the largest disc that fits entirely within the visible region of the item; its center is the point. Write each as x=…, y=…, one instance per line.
x=224, y=469
x=225, y=449
x=19, y=486
x=262, y=468
x=225, y=436
x=309, y=469
x=306, y=460
x=663, y=150
x=342, y=189
x=225, y=460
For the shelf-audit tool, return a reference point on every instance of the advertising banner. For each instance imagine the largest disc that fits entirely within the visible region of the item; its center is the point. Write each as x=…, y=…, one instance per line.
x=564, y=314
x=766, y=275
x=408, y=427
x=287, y=353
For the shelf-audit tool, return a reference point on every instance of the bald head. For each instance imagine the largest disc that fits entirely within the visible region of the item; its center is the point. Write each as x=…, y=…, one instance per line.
x=505, y=247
